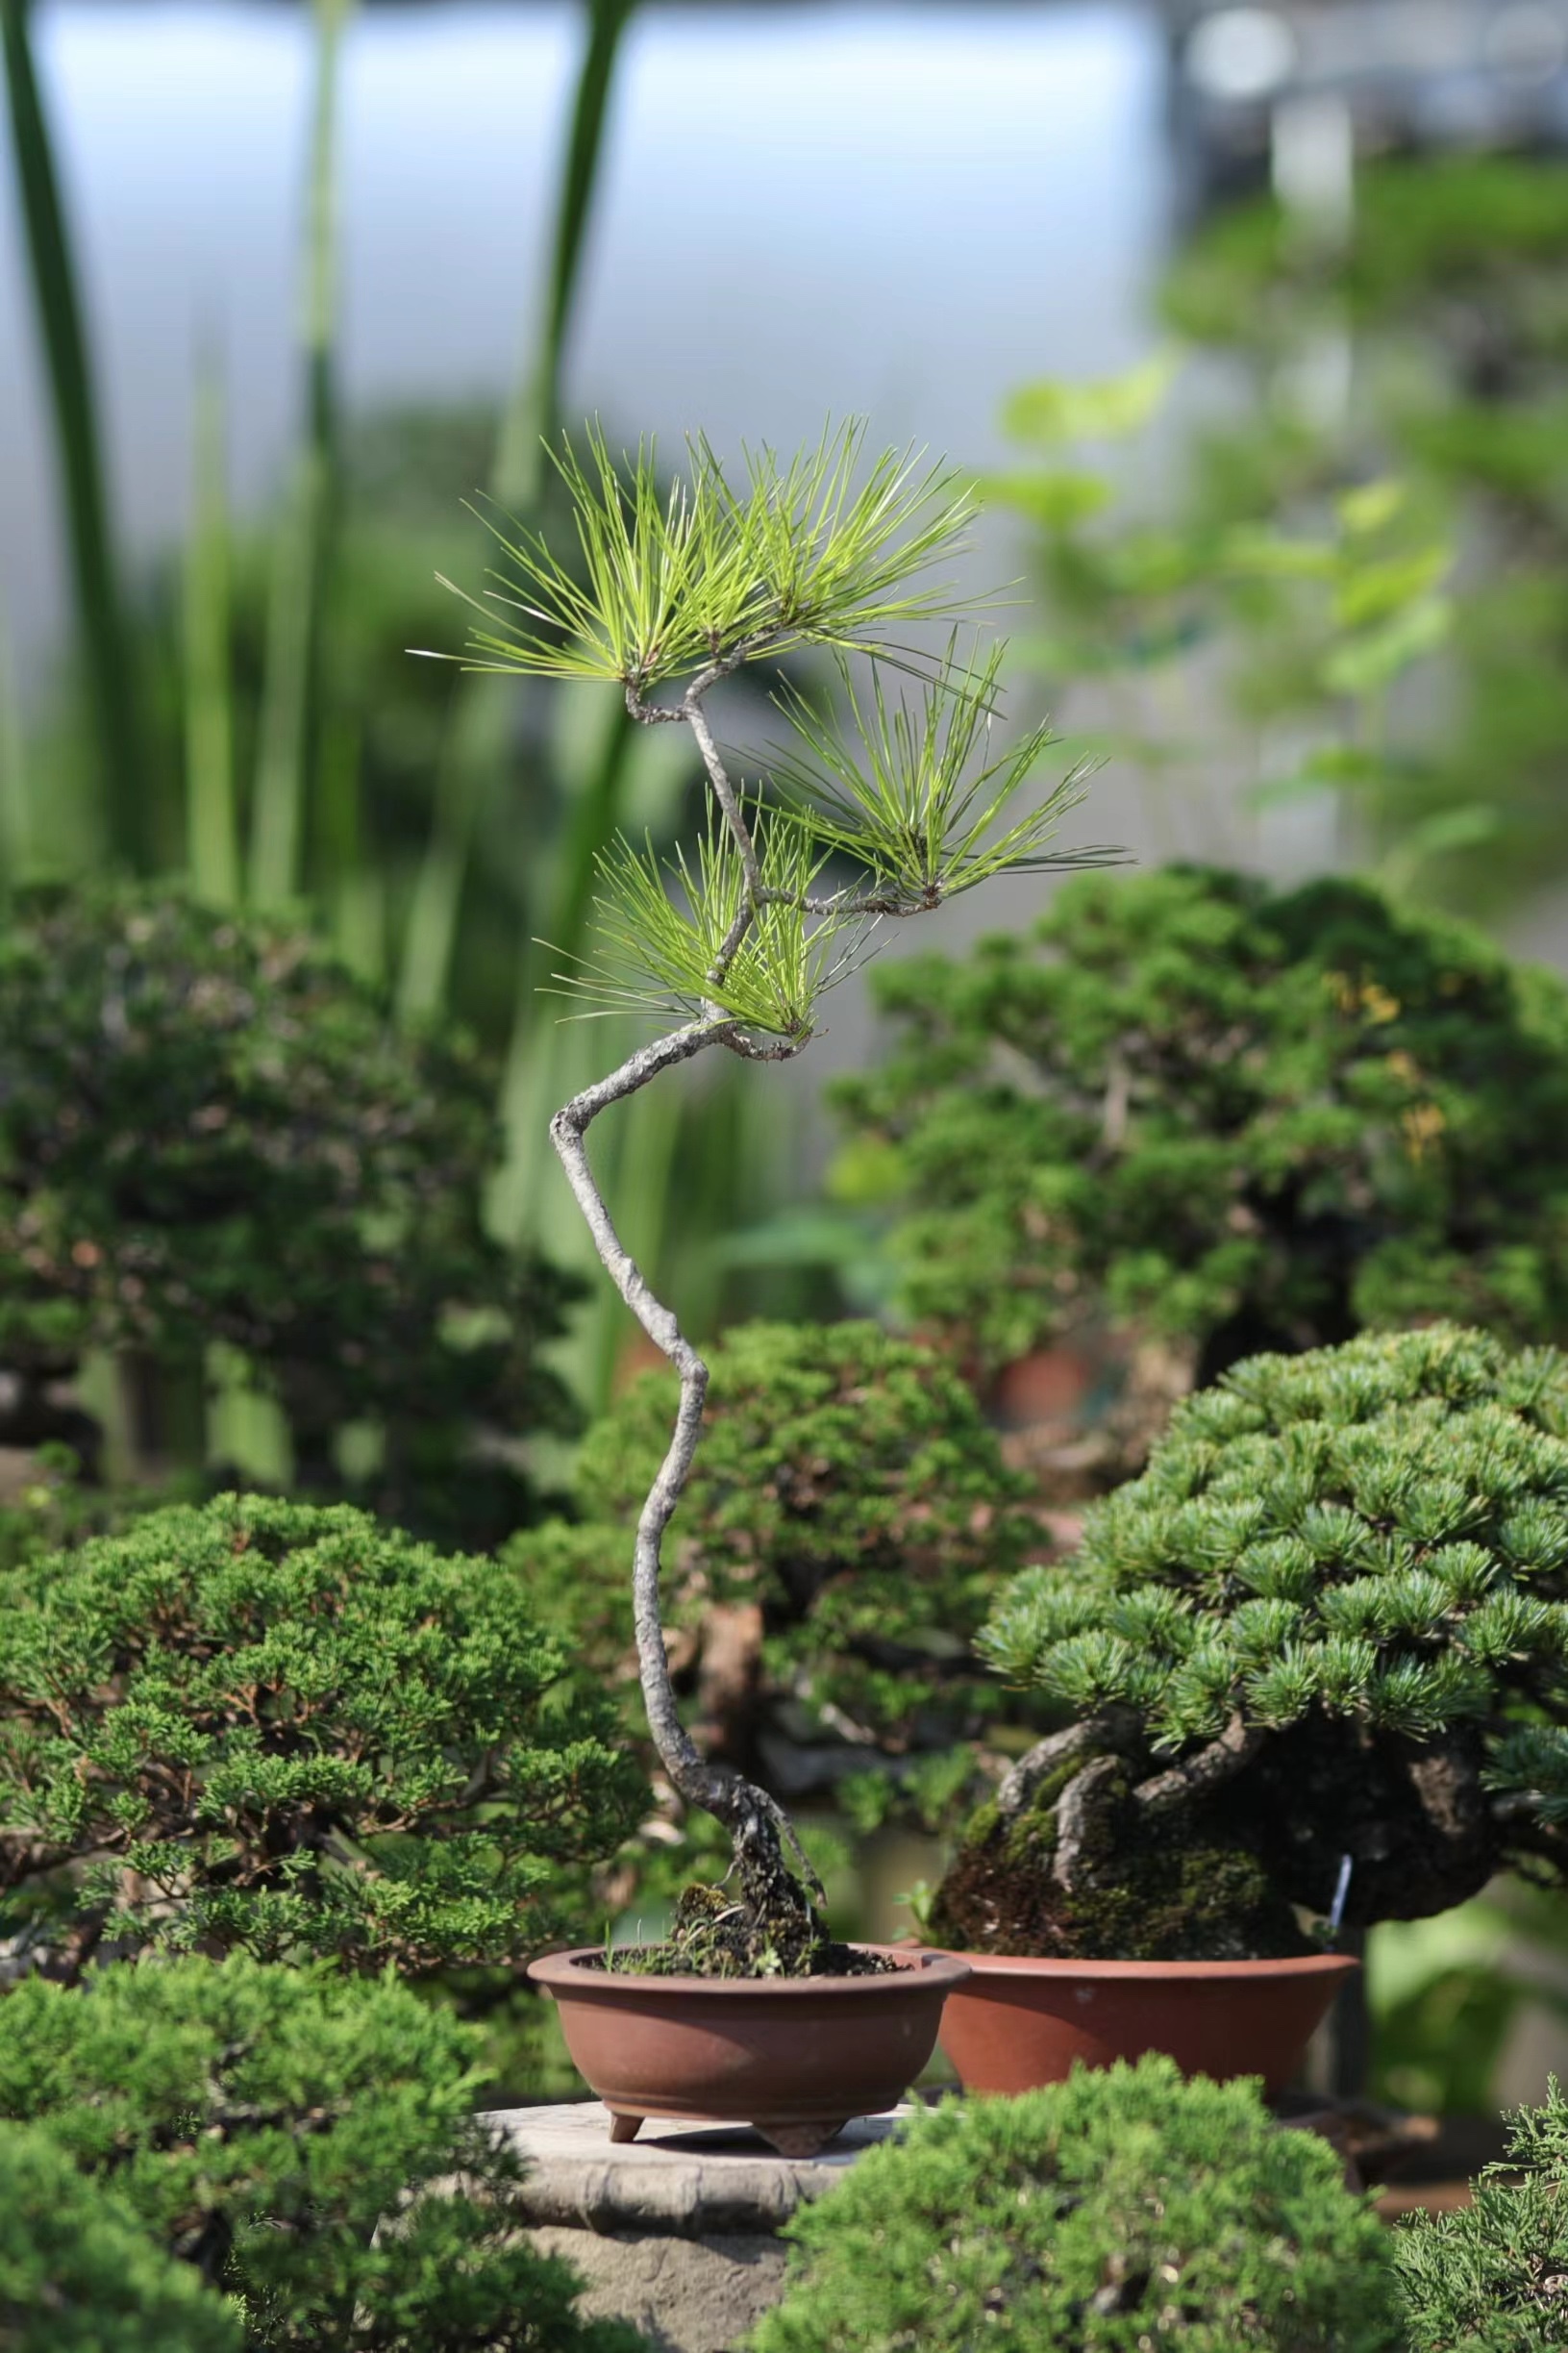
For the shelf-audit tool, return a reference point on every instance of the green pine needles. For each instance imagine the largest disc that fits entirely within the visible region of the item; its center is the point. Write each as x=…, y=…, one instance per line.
x=735, y=941
x=1328, y=1625
x=292, y=1732
x=282, y=2160
x=1494, y=2277
x=1109, y=2214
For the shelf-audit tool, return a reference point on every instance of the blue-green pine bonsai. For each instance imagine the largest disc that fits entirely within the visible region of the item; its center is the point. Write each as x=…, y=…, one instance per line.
x=1319, y=1649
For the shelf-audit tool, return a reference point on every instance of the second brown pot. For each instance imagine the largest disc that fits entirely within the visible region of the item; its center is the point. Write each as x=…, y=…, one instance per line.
x=794, y=2057
x=1017, y=2023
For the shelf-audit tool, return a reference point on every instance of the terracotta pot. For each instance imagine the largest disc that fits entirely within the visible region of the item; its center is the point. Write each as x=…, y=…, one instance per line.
x=794, y=2057
x=1018, y=2023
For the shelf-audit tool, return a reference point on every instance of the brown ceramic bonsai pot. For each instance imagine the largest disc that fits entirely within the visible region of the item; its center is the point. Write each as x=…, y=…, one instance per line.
x=1020, y=2022
x=794, y=2057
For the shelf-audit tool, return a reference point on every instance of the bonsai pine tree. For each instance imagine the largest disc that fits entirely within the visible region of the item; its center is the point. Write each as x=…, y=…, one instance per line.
x=835, y=1553
x=77, y=2275
x=732, y=948
x=290, y=1731
x=1110, y=2212
x=1319, y=1648
x=210, y=1131
x=1224, y=1117
x=306, y=2145
x=1490, y=2279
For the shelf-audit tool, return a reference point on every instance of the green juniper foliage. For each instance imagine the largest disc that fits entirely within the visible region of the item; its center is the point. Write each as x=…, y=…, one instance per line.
x=210, y=1131
x=1233, y=1117
x=1494, y=2277
x=1331, y=1619
x=732, y=943
x=1105, y=2215
x=847, y=1488
x=77, y=2275
x=260, y=2123
x=290, y=1730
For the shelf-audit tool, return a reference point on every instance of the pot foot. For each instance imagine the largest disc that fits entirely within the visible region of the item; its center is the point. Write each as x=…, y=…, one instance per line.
x=801, y=2140
x=624, y=2128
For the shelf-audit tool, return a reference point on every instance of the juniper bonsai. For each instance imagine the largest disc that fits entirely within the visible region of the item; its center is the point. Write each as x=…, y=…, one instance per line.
x=835, y=1549
x=291, y=1731
x=1105, y=2215
x=732, y=946
x=1320, y=1647
x=1493, y=2278
x=305, y=2146
x=77, y=2275
x=210, y=1131
x=1233, y=1117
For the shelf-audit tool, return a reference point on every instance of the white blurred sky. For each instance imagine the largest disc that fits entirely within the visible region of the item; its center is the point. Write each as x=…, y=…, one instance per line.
x=901, y=211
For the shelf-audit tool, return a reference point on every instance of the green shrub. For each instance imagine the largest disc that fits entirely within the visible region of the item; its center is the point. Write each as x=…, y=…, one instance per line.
x=289, y=1729
x=849, y=1488
x=1494, y=2277
x=1105, y=2214
x=1236, y=1119
x=210, y=1131
x=1331, y=1620
x=78, y=2276
x=260, y=2123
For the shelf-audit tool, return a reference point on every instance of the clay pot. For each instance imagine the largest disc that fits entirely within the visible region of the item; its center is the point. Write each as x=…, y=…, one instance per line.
x=794, y=2057
x=1019, y=2023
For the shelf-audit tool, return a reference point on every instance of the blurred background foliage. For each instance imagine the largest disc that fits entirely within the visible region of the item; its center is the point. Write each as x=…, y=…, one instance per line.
x=1304, y=569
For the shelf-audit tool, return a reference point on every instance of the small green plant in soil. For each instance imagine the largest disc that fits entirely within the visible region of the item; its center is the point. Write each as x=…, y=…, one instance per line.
x=212, y=1133
x=287, y=1730
x=732, y=944
x=304, y=2146
x=1105, y=2214
x=835, y=1553
x=1326, y=1631
x=1223, y=1118
x=1493, y=2278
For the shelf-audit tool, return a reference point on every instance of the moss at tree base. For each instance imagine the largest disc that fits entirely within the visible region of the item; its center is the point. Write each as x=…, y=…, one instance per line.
x=1145, y=1887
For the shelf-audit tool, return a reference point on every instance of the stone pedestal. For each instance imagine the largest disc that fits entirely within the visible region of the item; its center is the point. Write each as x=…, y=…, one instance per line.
x=679, y=2230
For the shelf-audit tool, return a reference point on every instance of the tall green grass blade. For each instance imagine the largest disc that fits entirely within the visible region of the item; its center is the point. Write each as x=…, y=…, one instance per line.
x=296, y=622
x=127, y=815
x=472, y=749
x=535, y=410
x=211, y=823
x=15, y=825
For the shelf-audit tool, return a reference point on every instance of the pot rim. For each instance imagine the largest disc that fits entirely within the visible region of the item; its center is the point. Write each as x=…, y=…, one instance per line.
x=1286, y=1965
x=573, y=1970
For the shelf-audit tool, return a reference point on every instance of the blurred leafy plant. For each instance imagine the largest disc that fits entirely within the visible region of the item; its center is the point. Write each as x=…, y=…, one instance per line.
x=210, y=1133
x=1231, y=1116
x=832, y=1558
x=1488, y=2279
